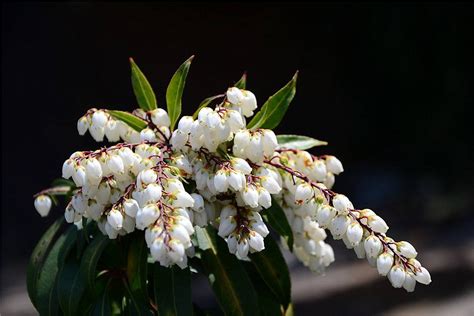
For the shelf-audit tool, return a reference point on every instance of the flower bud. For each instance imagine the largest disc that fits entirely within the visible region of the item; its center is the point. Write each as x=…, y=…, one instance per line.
x=409, y=283
x=115, y=219
x=264, y=198
x=303, y=193
x=269, y=142
x=131, y=207
x=183, y=199
x=397, y=276
x=334, y=165
x=198, y=202
x=115, y=164
x=250, y=196
x=43, y=205
x=242, y=249
x=384, y=263
x=111, y=232
x=68, y=168
x=373, y=246
x=99, y=119
x=377, y=224
x=354, y=233
x=241, y=165
x=82, y=125
x=178, y=139
x=152, y=193
x=324, y=215
x=234, y=95
x=147, y=216
x=112, y=131
x=220, y=181
x=406, y=249
x=338, y=226
x=423, y=276
x=226, y=226
x=160, y=117
x=342, y=204
x=147, y=135
x=79, y=176
x=248, y=103
x=93, y=168
x=256, y=241
x=185, y=124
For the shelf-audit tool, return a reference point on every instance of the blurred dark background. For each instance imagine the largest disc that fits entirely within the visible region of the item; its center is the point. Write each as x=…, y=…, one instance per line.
x=390, y=87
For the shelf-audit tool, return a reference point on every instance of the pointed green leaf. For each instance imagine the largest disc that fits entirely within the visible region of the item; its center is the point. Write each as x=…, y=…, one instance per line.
x=274, y=109
x=90, y=258
x=59, y=182
x=172, y=290
x=103, y=307
x=47, y=292
x=141, y=87
x=227, y=276
x=174, y=92
x=37, y=258
x=298, y=142
x=131, y=120
x=276, y=218
x=137, y=267
x=267, y=301
x=205, y=103
x=136, y=305
x=242, y=83
x=70, y=288
x=272, y=268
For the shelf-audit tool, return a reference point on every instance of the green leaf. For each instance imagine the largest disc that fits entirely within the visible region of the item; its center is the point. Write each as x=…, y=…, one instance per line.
x=103, y=306
x=70, y=288
x=276, y=218
x=137, y=267
x=205, y=103
x=90, y=258
x=242, y=83
x=37, y=258
x=174, y=92
x=47, y=292
x=267, y=302
x=203, y=238
x=141, y=87
x=131, y=120
x=272, y=268
x=136, y=306
x=172, y=291
x=227, y=276
x=298, y=142
x=60, y=182
x=272, y=112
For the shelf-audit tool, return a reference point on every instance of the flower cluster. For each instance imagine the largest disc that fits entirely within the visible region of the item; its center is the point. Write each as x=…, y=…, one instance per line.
x=315, y=207
x=212, y=170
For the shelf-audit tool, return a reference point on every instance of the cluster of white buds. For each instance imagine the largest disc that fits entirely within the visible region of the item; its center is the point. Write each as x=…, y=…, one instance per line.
x=307, y=194
x=138, y=184
x=243, y=229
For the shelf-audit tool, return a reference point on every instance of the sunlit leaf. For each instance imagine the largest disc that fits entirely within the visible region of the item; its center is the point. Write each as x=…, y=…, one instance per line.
x=174, y=92
x=298, y=142
x=131, y=120
x=141, y=87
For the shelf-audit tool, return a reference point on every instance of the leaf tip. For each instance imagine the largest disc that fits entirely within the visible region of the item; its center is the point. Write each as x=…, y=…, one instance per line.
x=295, y=76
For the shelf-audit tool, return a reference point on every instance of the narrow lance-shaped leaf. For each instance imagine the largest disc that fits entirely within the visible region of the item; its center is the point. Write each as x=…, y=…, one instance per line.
x=174, y=92
x=37, y=258
x=274, y=109
x=103, y=306
x=205, y=103
x=242, y=83
x=276, y=218
x=272, y=268
x=68, y=285
x=268, y=303
x=298, y=142
x=172, y=291
x=141, y=87
x=131, y=120
x=47, y=292
x=137, y=267
x=91, y=257
x=227, y=277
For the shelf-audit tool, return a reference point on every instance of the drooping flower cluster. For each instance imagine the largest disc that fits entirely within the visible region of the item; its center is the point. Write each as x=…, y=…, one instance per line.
x=212, y=170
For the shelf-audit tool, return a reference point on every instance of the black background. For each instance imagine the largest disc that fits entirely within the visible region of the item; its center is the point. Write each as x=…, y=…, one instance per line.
x=390, y=87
